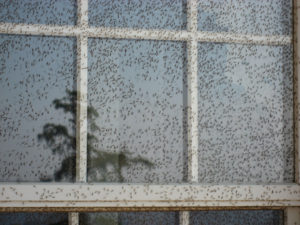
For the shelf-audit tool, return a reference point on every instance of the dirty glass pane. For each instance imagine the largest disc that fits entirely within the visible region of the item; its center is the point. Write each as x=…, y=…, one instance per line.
x=247, y=16
x=129, y=218
x=38, y=11
x=245, y=217
x=137, y=108
x=34, y=218
x=154, y=14
x=37, y=115
x=245, y=113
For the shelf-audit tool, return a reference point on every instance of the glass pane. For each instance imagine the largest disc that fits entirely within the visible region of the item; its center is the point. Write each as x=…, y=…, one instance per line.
x=137, y=119
x=37, y=115
x=38, y=11
x=129, y=218
x=34, y=218
x=245, y=217
x=245, y=113
x=247, y=16
x=154, y=14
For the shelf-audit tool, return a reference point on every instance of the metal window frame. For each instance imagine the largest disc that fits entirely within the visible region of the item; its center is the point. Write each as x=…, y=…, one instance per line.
x=80, y=196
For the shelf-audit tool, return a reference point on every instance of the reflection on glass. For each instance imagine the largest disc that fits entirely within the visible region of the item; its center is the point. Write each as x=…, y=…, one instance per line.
x=38, y=11
x=137, y=122
x=34, y=218
x=247, y=16
x=37, y=77
x=245, y=217
x=245, y=113
x=130, y=218
x=154, y=14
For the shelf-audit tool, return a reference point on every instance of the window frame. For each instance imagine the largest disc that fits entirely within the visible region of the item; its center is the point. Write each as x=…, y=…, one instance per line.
x=83, y=197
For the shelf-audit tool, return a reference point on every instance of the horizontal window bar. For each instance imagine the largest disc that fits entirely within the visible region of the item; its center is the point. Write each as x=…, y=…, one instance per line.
x=144, y=195
x=243, y=38
x=124, y=33
x=101, y=32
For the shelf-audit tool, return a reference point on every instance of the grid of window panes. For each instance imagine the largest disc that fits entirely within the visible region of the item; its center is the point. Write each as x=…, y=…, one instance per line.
x=138, y=100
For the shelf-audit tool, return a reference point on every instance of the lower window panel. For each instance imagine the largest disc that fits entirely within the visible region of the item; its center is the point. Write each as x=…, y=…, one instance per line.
x=126, y=218
x=34, y=218
x=245, y=217
x=224, y=217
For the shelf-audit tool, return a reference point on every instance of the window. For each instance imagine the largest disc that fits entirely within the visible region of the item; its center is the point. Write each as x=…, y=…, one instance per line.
x=170, y=112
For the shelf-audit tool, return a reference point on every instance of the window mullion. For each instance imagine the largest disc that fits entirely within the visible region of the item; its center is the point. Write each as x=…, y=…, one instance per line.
x=296, y=88
x=82, y=13
x=192, y=113
x=81, y=121
x=292, y=216
x=192, y=12
x=73, y=218
x=192, y=94
x=81, y=110
x=192, y=100
x=184, y=218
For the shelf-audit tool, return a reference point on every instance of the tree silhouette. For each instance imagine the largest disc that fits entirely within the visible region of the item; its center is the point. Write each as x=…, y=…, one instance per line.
x=63, y=142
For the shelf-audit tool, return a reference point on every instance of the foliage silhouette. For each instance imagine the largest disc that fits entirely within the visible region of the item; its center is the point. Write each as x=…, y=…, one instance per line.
x=63, y=142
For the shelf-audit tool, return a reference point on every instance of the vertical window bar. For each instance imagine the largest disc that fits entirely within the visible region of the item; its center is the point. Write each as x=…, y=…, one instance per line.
x=184, y=218
x=192, y=93
x=192, y=15
x=193, y=113
x=292, y=216
x=73, y=219
x=82, y=13
x=81, y=121
x=296, y=88
x=81, y=109
x=192, y=101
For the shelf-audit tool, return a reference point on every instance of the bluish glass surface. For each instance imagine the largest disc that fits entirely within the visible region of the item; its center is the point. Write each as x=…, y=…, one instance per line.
x=37, y=115
x=137, y=111
x=57, y=12
x=245, y=113
x=154, y=14
x=128, y=218
x=237, y=217
x=271, y=17
x=34, y=218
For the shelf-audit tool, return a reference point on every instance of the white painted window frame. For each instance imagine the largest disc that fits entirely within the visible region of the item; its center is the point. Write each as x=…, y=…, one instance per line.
x=81, y=196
